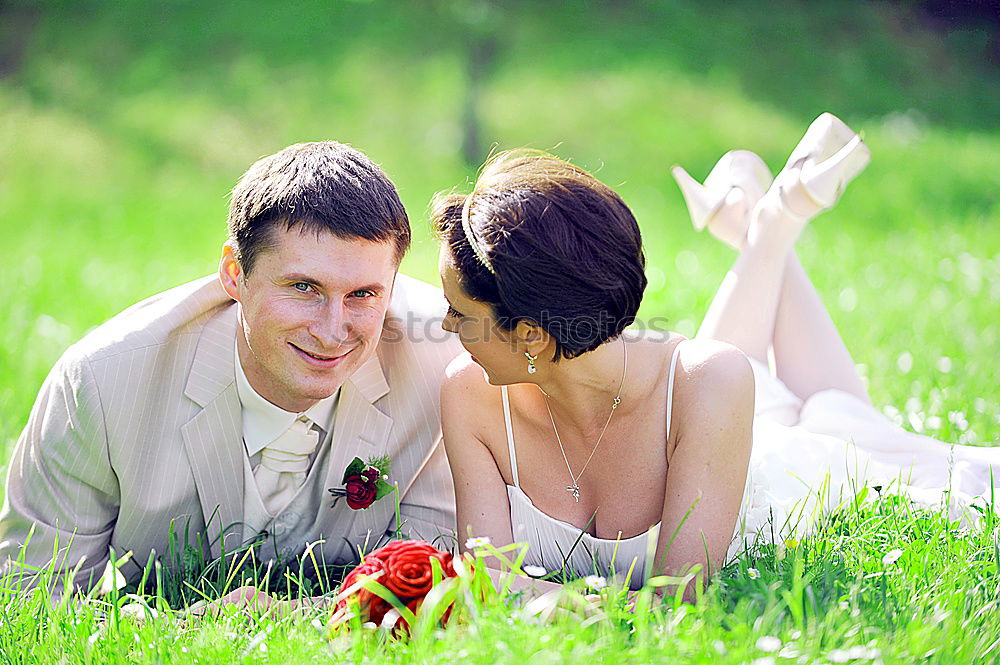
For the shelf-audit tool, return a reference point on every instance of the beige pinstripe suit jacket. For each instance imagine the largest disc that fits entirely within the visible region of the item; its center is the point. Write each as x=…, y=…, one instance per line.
x=139, y=425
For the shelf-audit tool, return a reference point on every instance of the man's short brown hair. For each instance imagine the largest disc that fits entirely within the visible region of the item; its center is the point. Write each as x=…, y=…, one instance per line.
x=322, y=186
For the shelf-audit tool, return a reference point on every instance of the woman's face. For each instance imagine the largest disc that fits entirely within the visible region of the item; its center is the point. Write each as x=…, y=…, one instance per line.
x=492, y=348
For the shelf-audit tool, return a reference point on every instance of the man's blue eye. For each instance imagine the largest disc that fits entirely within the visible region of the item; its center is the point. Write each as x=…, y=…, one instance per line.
x=362, y=293
x=300, y=286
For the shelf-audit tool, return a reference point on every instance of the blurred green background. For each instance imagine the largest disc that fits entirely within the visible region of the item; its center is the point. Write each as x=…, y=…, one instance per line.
x=123, y=125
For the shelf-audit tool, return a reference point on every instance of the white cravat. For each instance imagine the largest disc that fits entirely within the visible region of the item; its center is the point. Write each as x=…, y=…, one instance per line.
x=264, y=425
x=284, y=463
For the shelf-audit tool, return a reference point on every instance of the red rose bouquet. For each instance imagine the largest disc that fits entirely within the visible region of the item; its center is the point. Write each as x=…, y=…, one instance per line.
x=404, y=569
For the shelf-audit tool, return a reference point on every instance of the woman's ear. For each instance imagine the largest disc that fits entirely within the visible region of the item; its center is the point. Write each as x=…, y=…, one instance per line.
x=532, y=338
x=230, y=272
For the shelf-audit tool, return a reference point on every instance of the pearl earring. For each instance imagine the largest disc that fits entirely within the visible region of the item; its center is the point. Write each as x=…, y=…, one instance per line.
x=531, y=362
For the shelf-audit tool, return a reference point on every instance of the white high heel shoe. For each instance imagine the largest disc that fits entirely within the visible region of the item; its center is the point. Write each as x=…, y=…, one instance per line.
x=730, y=192
x=827, y=158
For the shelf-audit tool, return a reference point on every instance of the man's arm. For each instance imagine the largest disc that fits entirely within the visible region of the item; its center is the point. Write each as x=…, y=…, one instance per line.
x=62, y=495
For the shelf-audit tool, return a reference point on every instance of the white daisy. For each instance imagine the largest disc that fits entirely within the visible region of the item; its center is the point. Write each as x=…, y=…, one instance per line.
x=891, y=557
x=476, y=542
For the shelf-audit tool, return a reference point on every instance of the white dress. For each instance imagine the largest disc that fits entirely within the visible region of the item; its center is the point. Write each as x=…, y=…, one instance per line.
x=810, y=456
x=807, y=457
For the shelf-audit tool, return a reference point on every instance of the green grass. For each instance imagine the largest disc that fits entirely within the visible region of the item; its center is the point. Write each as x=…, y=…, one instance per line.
x=833, y=598
x=128, y=123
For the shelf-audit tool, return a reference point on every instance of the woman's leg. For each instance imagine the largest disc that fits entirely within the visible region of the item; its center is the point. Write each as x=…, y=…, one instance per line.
x=745, y=308
x=766, y=300
x=809, y=354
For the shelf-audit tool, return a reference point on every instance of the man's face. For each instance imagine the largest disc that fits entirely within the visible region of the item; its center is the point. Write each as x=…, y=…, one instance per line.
x=311, y=312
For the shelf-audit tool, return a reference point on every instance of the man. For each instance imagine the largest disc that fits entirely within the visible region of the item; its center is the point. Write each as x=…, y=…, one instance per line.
x=226, y=408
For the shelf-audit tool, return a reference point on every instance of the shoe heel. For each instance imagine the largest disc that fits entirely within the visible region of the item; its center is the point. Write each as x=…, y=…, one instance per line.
x=701, y=202
x=735, y=184
x=829, y=155
x=825, y=181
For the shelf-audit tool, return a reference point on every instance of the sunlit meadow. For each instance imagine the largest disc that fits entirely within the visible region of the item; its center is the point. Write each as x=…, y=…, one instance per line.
x=123, y=127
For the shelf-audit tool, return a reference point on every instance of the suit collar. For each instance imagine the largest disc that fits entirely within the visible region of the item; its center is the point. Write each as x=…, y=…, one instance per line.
x=369, y=380
x=213, y=369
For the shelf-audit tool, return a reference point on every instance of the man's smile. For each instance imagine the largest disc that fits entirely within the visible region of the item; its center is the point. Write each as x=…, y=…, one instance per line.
x=317, y=359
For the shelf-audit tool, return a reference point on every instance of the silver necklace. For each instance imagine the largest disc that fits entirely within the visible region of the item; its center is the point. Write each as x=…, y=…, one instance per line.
x=574, y=489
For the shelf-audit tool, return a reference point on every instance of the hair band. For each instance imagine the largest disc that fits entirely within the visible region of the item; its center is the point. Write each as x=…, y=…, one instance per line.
x=470, y=236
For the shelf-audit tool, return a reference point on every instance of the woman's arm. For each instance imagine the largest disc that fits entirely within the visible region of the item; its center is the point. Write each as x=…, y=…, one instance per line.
x=707, y=458
x=480, y=491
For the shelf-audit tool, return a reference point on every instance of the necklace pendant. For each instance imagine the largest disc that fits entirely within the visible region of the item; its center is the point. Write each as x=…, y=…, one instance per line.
x=574, y=489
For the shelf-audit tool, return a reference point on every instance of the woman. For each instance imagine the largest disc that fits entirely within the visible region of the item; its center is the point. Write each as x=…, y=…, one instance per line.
x=609, y=450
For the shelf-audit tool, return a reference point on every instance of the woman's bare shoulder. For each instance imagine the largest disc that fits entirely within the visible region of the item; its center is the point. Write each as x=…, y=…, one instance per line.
x=464, y=380
x=713, y=376
x=468, y=401
x=708, y=357
x=713, y=398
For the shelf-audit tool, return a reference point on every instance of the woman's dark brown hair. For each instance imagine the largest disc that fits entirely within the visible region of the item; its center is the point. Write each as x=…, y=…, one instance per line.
x=553, y=245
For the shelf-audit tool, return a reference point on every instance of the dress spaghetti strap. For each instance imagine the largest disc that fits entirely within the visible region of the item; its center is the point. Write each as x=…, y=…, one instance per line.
x=670, y=386
x=510, y=436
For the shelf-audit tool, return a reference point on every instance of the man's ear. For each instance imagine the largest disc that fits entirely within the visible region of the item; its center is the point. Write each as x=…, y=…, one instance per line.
x=532, y=337
x=230, y=272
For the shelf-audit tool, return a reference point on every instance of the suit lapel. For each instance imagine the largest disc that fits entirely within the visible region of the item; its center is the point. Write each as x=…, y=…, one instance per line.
x=213, y=438
x=360, y=429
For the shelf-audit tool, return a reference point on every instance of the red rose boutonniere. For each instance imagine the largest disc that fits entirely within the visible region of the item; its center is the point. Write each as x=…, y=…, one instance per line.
x=364, y=483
